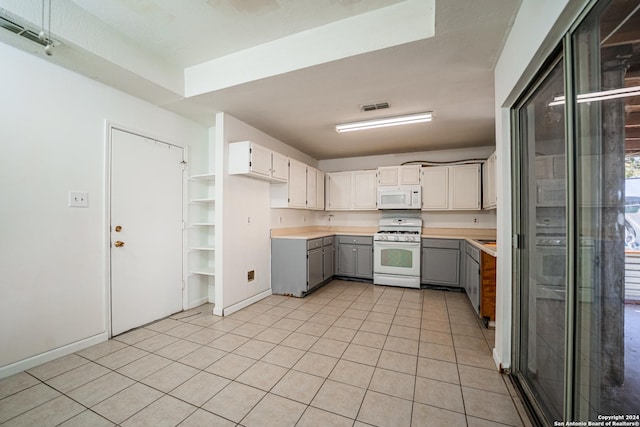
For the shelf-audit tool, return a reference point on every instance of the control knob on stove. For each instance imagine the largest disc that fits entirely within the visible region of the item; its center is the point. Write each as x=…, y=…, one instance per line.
x=396, y=238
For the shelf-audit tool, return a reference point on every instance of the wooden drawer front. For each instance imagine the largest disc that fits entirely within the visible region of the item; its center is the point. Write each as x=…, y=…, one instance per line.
x=356, y=240
x=441, y=243
x=314, y=244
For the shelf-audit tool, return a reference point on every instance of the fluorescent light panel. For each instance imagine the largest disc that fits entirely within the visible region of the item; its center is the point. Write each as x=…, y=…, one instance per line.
x=384, y=122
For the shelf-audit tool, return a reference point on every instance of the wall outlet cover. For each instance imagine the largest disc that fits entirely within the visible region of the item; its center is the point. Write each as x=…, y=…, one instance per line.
x=78, y=199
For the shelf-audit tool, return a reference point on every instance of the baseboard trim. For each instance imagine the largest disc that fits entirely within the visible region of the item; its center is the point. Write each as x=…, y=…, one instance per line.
x=242, y=304
x=498, y=361
x=28, y=363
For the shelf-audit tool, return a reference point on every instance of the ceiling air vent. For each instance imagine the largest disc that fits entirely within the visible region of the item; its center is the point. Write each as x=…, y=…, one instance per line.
x=373, y=107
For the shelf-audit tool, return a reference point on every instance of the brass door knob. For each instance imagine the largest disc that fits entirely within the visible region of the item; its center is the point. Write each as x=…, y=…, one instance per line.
x=118, y=244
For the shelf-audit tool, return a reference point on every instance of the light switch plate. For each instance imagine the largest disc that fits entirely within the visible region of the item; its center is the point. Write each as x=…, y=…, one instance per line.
x=78, y=199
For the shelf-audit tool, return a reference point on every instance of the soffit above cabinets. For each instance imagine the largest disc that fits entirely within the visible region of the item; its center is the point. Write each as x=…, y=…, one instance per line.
x=294, y=68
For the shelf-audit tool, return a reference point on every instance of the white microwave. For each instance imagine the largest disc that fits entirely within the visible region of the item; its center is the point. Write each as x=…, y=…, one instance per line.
x=551, y=192
x=400, y=197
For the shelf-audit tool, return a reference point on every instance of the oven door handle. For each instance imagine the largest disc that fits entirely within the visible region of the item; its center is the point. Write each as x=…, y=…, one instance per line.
x=387, y=244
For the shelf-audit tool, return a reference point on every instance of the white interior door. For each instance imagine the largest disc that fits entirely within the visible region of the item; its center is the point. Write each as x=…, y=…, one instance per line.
x=146, y=230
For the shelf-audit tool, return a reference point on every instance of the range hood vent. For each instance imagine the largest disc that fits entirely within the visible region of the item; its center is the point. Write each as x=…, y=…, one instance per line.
x=20, y=30
x=373, y=107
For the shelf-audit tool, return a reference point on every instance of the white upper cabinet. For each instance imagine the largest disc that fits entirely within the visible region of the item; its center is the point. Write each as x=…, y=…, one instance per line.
x=451, y=187
x=303, y=190
x=464, y=187
x=279, y=167
x=364, y=190
x=297, y=184
x=388, y=175
x=489, y=193
x=355, y=190
x=435, y=188
x=251, y=159
x=338, y=191
x=312, y=188
x=399, y=175
x=319, y=190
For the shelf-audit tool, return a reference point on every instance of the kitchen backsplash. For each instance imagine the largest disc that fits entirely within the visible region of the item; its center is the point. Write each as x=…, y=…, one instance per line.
x=285, y=218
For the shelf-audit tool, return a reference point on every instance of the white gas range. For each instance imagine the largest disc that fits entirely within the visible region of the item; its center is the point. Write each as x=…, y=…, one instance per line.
x=396, y=250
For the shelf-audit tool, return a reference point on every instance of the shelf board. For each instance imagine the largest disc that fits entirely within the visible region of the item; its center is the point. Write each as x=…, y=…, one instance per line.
x=203, y=177
x=202, y=248
x=202, y=224
x=204, y=272
x=207, y=200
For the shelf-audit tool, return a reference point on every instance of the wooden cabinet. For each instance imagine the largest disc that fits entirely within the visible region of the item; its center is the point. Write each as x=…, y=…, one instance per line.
x=399, y=175
x=251, y=159
x=354, y=256
x=441, y=262
x=487, y=286
x=451, y=187
x=489, y=191
x=354, y=190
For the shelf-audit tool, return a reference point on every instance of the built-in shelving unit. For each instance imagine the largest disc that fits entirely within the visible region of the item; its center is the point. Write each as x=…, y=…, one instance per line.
x=201, y=232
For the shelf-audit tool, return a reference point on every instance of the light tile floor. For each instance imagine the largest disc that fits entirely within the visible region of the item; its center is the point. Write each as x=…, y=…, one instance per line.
x=350, y=354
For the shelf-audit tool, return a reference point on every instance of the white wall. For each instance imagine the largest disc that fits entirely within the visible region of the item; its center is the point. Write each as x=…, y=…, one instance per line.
x=52, y=257
x=373, y=162
x=244, y=211
x=537, y=29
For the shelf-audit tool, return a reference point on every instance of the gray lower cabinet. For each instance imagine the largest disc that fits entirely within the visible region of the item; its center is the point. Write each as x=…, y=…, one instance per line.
x=441, y=262
x=355, y=257
x=328, y=258
x=472, y=276
x=314, y=268
x=299, y=265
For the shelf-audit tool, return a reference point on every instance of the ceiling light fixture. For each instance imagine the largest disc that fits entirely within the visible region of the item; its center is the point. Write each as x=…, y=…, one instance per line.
x=384, y=122
x=600, y=96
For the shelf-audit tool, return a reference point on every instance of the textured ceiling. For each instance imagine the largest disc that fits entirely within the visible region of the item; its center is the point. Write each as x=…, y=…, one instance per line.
x=311, y=64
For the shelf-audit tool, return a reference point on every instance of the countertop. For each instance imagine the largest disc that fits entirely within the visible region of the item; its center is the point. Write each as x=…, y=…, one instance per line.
x=474, y=236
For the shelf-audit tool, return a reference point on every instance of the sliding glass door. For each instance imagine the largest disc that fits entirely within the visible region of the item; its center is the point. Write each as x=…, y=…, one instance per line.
x=606, y=78
x=577, y=346
x=543, y=248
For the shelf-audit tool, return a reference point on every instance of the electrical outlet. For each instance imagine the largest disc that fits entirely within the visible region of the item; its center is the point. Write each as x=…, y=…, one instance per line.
x=475, y=219
x=280, y=219
x=78, y=199
x=251, y=275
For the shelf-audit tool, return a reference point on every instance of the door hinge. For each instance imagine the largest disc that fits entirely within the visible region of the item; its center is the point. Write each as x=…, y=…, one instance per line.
x=184, y=165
